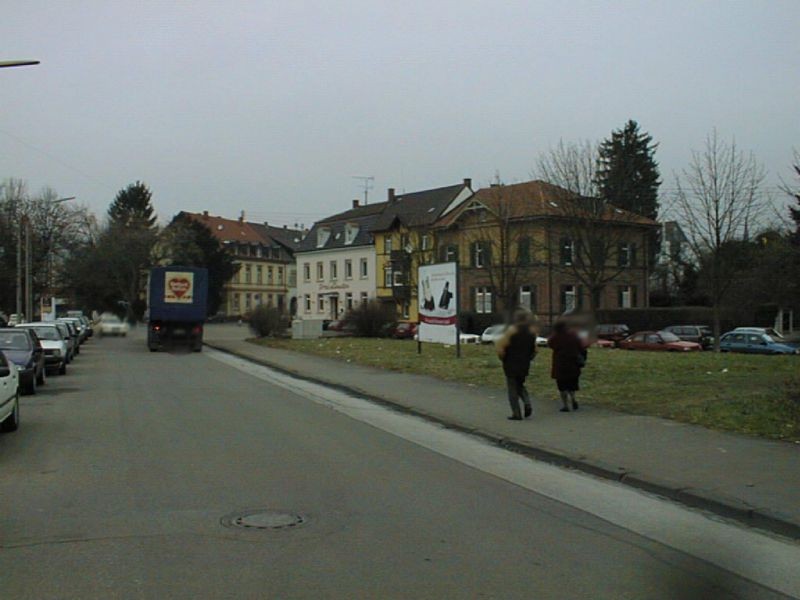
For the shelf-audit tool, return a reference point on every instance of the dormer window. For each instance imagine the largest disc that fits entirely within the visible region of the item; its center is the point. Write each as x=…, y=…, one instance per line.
x=323, y=235
x=350, y=233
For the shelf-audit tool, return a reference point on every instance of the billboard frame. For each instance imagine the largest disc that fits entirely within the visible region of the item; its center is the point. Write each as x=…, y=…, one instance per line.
x=457, y=285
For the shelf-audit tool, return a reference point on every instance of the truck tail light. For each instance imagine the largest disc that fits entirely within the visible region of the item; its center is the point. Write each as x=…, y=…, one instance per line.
x=156, y=327
x=197, y=329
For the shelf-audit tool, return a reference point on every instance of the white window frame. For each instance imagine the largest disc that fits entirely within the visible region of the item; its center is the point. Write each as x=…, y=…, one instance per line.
x=397, y=275
x=426, y=241
x=320, y=303
x=306, y=272
x=387, y=244
x=479, y=255
x=570, y=291
x=348, y=301
x=364, y=298
x=626, y=296
x=334, y=267
x=307, y=302
x=387, y=277
x=483, y=300
x=348, y=268
x=364, y=266
x=526, y=296
x=320, y=271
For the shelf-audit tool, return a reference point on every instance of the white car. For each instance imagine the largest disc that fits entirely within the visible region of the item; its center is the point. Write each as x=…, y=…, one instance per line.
x=9, y=395
x=469, y=338
x=112, y=325
x=54, y=345
x=491, y=335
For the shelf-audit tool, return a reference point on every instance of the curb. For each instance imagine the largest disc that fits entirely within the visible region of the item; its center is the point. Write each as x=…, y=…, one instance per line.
x=750, y=516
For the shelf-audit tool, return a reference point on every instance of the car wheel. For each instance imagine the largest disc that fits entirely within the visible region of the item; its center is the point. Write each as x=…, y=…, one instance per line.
x=62, y=370
x=12, y=421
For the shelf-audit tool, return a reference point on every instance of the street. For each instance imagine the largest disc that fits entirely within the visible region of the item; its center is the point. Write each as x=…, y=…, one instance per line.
x=125, y=475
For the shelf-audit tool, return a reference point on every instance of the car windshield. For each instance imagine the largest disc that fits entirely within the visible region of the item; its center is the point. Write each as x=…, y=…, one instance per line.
x=669, y=337
x=14, y=340
x=47, y=333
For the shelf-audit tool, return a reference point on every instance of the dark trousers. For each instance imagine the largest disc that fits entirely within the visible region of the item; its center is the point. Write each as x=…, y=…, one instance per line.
x=517, y=392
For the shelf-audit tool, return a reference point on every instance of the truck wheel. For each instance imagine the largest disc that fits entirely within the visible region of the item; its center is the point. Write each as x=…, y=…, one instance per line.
x=12, y=421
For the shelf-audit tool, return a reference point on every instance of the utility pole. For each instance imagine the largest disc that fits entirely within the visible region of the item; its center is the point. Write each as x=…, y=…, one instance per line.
x=28, y=286
x=368, y=183
x=19, y=267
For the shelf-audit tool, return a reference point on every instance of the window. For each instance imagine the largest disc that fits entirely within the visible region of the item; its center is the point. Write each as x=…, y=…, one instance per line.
x=481, y=254
x=652, y=338
x=334, y=270
x=450, y=253
x=258, y=251
x=320, y=271
x=567, y=251
x=387, y=244
x=323, y=233
x=397, y=278
x=569, y=298
x=236, y=304
x=483, y=300
x=259, y=274
x=291, y=276
x=307, y=301
x=348, y=300
x=257, y=299
x=306, y=271
x=426, y=242
x=626, y=255
x=527, y=297
x=350, y=233
x=626, y=296
x=364, y=268
x=348, y=269
x=280, y=275
x=405, y=310
x=387, y=277
x=404, y=243
x=524, y=252
x=280, y=302
x=248, y=302
x=364, y=298
x=269, y=299
x=247, y=274
x=269, y=275
x=276, y=252
x=320, y=303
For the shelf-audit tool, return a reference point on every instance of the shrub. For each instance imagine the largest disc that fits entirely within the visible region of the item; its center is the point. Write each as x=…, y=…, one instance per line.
x=267, y=320
x=370, y=318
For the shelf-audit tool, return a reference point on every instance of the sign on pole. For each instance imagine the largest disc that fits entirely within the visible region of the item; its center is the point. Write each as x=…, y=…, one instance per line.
x=438, y=303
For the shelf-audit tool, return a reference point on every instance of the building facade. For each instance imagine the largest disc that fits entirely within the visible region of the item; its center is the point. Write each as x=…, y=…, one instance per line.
x=534, y=246
x=264, y=255
x=336, y=263
x=405, y=237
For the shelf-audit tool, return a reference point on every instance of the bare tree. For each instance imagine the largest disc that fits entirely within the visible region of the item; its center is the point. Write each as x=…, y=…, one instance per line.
x=719, y=197
x=597, y=244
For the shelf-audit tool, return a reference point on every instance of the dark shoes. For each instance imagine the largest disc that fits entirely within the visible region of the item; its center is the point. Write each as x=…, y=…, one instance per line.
x=515, y=418
x=563, y=409
x=528, y=410
x=574, y=405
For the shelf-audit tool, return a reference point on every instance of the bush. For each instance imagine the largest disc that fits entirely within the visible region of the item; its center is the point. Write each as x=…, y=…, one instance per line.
x=369, y=319
x=267, y=320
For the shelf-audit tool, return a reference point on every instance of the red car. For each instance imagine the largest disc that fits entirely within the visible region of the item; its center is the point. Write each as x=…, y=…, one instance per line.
x=658, y=340
x=405, y=331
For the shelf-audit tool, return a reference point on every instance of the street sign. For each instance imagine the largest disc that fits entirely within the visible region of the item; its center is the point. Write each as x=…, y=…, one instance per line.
x=438, y=303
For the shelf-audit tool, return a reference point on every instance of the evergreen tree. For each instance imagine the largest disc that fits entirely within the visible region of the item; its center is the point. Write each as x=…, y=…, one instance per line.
x=794, y=212
x=132, y=207
x=627, y=173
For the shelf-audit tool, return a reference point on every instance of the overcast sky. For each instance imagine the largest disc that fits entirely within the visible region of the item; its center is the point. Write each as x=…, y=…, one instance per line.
x=272, y=107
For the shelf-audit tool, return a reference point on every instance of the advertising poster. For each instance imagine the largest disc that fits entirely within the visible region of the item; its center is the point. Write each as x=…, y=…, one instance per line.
x=178, y=287
x=438, y=303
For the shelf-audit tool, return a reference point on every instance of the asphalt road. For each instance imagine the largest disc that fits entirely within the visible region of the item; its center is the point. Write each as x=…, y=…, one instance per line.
x=117, y=482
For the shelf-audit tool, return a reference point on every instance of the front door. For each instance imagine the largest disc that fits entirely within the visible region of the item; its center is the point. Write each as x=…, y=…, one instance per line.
x=334, y=307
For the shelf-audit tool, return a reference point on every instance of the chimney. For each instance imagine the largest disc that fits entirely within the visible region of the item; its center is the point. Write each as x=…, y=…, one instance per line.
x=355, y=203
x=286, y=227
x=241, y=217
x=390, y=192
x=468, y=182
x=205, y=214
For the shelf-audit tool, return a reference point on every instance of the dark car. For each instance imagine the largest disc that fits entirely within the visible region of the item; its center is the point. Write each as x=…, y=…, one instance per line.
x=74, y=336
x=22, y=347
x=613, y=333
x=405, y=331
x=662, y=341
x=753, y=343
x=699, y=334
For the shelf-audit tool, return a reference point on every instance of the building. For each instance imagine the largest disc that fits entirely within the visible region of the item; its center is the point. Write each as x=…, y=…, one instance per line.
x=265, y=257
x=405, y=238
x=336, y=263
x=537, y=246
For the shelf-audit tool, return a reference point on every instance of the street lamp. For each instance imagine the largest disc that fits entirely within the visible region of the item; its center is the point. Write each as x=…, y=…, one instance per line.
x=4, y=64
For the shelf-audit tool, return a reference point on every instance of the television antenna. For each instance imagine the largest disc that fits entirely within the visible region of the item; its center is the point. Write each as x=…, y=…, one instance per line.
x=368, y=182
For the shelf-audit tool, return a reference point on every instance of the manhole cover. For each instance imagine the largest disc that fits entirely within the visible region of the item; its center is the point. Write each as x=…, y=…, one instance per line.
x=263, y=519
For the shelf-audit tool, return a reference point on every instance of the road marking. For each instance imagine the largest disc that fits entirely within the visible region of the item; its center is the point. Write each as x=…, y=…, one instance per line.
x=765, y=559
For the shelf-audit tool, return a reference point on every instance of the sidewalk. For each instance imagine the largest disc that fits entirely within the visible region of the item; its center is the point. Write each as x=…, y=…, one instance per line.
x=753, y=480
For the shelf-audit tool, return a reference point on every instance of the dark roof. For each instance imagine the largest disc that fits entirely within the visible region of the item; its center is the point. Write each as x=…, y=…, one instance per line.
x=290, y=238
x=418, y=208
x=362, y=216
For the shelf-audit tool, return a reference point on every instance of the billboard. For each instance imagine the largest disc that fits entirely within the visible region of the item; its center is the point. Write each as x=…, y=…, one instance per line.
x=438, y=303
x=178, y=287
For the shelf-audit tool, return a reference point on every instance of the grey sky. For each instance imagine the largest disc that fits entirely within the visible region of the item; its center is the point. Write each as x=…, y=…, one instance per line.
x=271, y=107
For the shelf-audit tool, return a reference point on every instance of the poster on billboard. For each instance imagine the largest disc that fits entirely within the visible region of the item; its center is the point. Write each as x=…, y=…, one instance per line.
x=178, y=287
x=438, y=303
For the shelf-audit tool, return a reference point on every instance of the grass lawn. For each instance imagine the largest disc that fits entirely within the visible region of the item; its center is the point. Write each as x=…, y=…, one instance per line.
x=757, y=395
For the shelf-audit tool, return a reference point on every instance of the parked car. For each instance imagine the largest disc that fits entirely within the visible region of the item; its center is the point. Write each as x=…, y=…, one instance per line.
x=79, y=327
x=112, y=325
x=753, y=343
x=491, y=335
x=9, y=394
x=658, y=340
x=68, y=339
x=405, y=331
x=693, y=333
x=336, y=325
x=87, y=322
x=469, y=338
x=73, y=334
x=21, y=346
x=613, y=333
x=53, y=344
x=601, y=343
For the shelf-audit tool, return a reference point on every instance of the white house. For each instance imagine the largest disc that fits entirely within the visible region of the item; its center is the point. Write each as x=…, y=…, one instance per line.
x=336, y=264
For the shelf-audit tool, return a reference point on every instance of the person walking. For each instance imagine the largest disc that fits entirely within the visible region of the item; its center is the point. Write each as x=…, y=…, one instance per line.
x=569, y=357
x=517, y=349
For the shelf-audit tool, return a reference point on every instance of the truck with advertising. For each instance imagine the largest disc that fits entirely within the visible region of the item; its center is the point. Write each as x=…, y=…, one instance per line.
x=177, y=299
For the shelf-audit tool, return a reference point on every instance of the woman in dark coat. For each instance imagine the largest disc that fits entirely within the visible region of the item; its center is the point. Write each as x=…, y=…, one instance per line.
x=569, y=356
x=517, y=348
